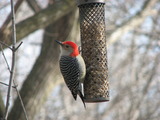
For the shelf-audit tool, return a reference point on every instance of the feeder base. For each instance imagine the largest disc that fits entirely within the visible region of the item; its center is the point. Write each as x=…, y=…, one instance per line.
x=95, y=100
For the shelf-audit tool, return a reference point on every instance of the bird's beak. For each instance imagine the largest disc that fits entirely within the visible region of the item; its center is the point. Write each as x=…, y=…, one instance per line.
x=59, y=42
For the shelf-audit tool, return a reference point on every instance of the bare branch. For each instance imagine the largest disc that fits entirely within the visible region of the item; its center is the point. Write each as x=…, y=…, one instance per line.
x=7, y=84
x=8, y=19
x=18, y=46
x=5, y=59
x=34, y=5
x=13, y=61
x=39, y=20
x=6, y=45
x=12, y=70
x=19, y=96
x=135, y=21
x=15, y=87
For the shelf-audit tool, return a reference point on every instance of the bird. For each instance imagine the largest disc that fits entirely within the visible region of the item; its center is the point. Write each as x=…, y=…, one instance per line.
x=73, y=68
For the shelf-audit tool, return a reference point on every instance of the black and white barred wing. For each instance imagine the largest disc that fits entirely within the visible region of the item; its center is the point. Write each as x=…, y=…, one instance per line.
x=71, y=73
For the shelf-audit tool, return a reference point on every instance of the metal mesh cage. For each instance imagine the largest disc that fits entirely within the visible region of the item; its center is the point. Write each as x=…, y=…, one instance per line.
x=94, y=51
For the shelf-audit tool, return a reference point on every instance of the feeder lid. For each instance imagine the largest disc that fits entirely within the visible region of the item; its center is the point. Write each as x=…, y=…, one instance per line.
x=80, y=2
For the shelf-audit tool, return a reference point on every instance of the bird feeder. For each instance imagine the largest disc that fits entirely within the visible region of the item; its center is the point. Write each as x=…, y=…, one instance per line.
x=94, y=50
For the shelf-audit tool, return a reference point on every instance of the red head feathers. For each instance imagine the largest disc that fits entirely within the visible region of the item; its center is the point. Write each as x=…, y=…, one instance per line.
x=74, y=46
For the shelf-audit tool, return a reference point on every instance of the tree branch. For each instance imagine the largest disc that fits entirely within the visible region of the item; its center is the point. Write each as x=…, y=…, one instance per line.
x=40, y=20
x=34, y=5
x=5, y=59
x=8, y=19
x=21, y=101
x=12, y=71
x=135, y=21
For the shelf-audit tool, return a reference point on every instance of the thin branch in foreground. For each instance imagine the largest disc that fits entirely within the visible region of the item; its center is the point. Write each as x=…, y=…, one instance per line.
x=13, y=62
x=18, y=46
x=5, y=45
x=5, y=59
x=7, y=84
x=20, y=98
x=12, y=70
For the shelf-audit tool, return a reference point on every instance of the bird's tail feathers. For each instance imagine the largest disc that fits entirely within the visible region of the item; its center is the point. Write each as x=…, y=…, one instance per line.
x=82, y=98
x=74, y=95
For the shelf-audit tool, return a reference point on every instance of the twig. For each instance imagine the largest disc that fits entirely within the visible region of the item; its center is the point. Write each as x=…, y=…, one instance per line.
x=18, y=46
x=5, y=59
x=6, y=45
x=19, y=96
x=12, y=70
x=7, y=84
x=13, y=61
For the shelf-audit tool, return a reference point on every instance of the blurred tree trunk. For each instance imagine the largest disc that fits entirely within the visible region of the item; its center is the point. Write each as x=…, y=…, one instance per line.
x=40, y=20
x=2, y=108
x=45, y=72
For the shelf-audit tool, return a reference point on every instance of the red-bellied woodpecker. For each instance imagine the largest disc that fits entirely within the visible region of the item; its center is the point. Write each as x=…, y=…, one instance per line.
x=72, y=67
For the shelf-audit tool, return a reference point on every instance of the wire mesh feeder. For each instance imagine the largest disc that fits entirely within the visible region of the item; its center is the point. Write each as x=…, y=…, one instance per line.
x=94, y=51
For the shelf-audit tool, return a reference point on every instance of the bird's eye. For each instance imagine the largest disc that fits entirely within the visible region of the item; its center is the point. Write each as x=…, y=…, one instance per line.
x=67, y=46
